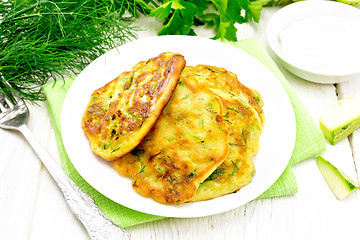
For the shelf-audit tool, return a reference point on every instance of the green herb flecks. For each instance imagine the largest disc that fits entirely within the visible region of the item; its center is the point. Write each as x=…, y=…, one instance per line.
x=198, y=138
x=218, y=173
x=142, y=169
x=186, y=97
x=234, y=110
x=138, y=152
x=226, y=120
x=42, y=39
x=160, y=169
x=235, y=167
x=167, y=107
x=133, y=115
x=170, y=179
x=114, y=150
x=201, y=123
x=210, y=107
x=106, y=146
x=169, y=158
x=191, y=174
x=235, y=144
x=214, y=71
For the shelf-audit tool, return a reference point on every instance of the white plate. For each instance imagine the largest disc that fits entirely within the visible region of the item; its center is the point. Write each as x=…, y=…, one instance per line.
x=276, y=144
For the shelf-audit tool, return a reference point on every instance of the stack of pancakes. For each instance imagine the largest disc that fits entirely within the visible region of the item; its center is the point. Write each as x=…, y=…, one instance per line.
x=182, y=133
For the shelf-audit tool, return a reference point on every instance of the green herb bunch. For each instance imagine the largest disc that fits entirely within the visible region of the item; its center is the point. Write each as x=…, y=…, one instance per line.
x=179, y=16
x=42, y=39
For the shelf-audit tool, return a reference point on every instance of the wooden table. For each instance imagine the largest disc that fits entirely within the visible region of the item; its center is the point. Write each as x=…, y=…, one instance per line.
x=32, y=207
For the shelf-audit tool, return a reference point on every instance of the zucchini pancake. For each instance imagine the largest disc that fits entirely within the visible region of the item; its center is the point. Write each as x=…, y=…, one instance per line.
x=220, y=78
x=121, y=113
x=245, y=127
x=199, y=147
x=188, y=142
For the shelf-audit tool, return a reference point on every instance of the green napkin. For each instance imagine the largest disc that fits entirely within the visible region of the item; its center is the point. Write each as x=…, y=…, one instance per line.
x=309, y=142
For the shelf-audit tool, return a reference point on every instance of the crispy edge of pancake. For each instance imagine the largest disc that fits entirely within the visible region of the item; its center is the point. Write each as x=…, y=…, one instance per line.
x=130, y=141
x=238, y=168
x=180, y=178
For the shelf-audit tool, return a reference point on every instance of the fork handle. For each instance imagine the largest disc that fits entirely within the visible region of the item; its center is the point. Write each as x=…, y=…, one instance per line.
x=82, y=205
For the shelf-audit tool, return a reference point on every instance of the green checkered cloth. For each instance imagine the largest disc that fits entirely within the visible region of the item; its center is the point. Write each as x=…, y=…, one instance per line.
x=309, y=142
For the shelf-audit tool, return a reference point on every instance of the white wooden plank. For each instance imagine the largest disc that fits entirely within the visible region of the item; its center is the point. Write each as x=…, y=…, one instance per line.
x=18, y=186
x=53, y=218
x=19, y=177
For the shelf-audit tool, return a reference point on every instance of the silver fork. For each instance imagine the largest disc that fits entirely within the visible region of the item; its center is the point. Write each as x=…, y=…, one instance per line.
x=13, y=115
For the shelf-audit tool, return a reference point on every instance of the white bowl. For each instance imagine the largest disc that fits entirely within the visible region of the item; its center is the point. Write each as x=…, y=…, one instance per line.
x=317, y=40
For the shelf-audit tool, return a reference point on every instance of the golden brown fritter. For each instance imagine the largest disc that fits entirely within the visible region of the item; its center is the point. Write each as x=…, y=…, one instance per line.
x=244, y=127
x=168, y=164
x=244, y=120
x=121, y=113
x=226, y=81
x=188, y=142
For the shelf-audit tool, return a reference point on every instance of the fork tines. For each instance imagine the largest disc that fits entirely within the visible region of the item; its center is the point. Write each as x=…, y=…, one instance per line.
x=6, y=102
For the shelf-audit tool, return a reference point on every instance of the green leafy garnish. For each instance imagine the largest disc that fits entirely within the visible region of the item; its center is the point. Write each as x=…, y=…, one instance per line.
x=43, y=39
x=180, y=16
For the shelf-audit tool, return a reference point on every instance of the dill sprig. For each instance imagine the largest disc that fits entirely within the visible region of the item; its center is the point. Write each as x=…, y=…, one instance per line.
x=43, y=39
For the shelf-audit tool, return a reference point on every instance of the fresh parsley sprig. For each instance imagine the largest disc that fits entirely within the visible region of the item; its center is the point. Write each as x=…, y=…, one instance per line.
x=180, y=16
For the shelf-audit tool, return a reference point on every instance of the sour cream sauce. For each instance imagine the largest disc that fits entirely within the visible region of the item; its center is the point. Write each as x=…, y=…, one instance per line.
x=323, y=44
